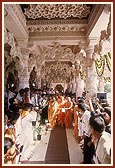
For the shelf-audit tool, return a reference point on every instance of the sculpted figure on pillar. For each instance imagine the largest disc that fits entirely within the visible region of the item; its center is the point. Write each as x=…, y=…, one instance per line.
x=7, y=59
x=76, y=69
x=76, y=81
x=31, y=62
x=96, y=53
x=24, y=74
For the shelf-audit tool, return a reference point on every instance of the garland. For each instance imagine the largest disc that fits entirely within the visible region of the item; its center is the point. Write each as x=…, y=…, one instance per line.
x=100, y=65
x=109, y=54
x=108, y=60
x=82, y=75
x=107, y=79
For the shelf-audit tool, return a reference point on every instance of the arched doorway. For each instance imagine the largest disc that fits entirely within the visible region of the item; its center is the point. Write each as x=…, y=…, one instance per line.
x=59, y=88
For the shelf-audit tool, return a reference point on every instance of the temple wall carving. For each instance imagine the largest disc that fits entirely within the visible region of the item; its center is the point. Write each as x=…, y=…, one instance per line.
x=56, y=72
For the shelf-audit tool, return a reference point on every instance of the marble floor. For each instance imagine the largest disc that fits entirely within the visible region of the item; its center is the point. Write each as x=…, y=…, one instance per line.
x=37, y=152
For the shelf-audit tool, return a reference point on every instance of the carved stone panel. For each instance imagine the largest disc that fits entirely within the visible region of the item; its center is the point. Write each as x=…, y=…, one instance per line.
x=56, y=72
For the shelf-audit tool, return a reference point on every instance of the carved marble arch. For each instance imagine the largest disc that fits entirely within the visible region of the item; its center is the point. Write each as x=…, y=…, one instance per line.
x=59, y=88
x=33, y=78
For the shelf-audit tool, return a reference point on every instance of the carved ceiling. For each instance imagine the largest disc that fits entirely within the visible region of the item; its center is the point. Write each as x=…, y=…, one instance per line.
x=54, y=34
x=56, y=11
x=56, y=18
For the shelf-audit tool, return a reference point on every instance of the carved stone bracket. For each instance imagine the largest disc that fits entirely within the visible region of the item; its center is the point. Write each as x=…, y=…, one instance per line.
x=9, y=39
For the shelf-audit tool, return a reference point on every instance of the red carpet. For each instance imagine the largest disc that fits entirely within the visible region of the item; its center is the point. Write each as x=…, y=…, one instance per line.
x=57, y=152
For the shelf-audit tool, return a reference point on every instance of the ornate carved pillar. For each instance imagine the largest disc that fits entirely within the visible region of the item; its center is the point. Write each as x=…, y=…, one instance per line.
x=91, y=80
x=23, y=69
x=73, y=82
x=101, y=85
x=104, y=44
x=24, y=79
x=77, y=82
x=38, y=80
x=79, y=86
x=91, y=75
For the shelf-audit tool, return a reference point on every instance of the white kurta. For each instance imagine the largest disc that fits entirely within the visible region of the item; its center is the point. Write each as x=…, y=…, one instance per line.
x=27, y=131
x=103, y=149
x=85, y=123
x=18, y=131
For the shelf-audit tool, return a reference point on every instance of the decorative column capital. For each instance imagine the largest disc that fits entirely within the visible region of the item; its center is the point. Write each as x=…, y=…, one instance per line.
x=82, y=45
x=25, y=51
x=24, y=54
x=82, y=52
x=22, y=42
x=89, y=52
x=91, y=41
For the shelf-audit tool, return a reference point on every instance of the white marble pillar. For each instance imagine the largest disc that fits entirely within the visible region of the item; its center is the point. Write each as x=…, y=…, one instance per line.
x=23, y=82
x=38, y=76
x=92, y=80
x=101, y=84
x=91, y=75
x=73, y=86
x=23, y=71
x=79, y=86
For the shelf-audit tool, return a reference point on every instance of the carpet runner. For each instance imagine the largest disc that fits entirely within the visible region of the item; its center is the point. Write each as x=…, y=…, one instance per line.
x=57, y=151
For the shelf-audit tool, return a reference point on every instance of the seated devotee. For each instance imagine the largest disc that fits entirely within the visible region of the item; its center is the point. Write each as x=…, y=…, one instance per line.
x=101, y=140
x=10, y=151
x=10, y=131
